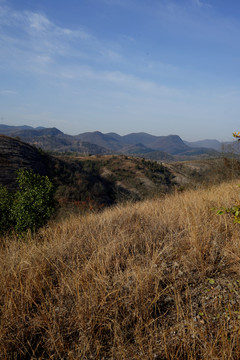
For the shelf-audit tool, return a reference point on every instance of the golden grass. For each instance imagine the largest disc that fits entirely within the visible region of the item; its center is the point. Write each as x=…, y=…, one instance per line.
x=154, y=280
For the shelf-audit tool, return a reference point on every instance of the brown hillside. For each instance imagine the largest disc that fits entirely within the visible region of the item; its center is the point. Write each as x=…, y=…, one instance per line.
x=15, y=154
x=157, y=280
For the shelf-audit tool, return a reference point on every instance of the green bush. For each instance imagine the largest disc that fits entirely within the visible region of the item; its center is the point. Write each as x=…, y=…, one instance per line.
x=30, y=207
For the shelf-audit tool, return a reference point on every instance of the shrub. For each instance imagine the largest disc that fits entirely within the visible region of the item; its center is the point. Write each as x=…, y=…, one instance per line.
x=235, y=209
x=33, y=203
x=30, y=207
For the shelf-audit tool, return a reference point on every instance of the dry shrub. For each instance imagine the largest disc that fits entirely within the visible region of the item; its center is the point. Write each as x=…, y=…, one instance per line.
x=154, y=280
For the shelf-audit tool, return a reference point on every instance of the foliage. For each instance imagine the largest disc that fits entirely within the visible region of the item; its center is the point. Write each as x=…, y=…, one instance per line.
x=30, y=207
x=237, y=135
x=5, y=206
x=235, y=209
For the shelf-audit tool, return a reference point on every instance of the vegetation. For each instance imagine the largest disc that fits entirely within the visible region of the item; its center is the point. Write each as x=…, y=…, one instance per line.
x=5, y=208
x=30, y=207
x=158, y=279
x=235, y=209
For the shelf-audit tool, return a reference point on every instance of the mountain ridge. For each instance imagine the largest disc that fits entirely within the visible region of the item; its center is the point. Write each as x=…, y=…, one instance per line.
x=96, y=142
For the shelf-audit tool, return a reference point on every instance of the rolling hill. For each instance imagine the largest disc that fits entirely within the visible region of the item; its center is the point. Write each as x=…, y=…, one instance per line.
x=102, y=179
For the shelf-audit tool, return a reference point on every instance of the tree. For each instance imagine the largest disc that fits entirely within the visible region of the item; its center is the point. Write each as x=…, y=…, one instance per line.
x=5, y=208
x=30, y=207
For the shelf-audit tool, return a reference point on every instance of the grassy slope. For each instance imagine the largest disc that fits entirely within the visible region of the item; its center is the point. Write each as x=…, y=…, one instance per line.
x=154, y=280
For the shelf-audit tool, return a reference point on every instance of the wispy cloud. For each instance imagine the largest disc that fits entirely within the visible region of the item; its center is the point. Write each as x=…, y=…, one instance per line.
x=38, y=22
x=8, y=92
x=34, y=37
x=200, y=4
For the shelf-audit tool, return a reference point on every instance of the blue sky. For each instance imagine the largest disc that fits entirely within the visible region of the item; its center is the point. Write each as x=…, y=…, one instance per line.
x=159, y=66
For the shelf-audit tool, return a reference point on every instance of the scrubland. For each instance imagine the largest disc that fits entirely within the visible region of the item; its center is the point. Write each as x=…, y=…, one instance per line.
x=158, y=279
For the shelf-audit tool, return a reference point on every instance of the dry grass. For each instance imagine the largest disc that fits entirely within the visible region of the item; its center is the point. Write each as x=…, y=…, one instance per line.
x=154, y=280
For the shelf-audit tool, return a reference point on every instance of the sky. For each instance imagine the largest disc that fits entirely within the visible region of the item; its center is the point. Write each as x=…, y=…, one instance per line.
x=157, y=66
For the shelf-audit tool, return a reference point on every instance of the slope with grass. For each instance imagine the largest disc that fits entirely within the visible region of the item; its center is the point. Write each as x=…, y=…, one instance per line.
x=195, y=173
x=153, y=280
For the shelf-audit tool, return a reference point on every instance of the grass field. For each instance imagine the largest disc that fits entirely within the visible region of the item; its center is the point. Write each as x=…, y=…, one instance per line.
x=158, y=279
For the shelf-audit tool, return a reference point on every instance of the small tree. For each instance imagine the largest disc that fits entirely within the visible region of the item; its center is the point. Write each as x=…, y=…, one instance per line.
x=33, y=203
x=30, y=207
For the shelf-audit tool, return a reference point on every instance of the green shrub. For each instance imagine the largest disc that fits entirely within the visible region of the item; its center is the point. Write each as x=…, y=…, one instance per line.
x=30, y=207
x=234, y=211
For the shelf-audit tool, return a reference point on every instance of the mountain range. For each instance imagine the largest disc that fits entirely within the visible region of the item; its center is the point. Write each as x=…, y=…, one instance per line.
x=165, y=148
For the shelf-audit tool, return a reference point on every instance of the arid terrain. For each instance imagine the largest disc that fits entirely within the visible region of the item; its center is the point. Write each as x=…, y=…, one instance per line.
x=158, y=279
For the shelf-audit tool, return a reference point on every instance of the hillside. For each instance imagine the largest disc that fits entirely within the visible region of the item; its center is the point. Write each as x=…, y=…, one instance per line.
x=14, y=155
x=108, y=179
x=201, y=172
x=153, y=280
x=98, y=179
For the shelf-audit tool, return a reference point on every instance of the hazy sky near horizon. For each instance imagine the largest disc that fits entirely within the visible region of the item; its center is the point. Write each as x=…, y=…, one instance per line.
x=158, y=66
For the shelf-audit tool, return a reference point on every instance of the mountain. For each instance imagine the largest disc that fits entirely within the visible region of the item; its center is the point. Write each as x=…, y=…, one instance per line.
x=208, y=143
x=52, y=139
x=115, y=136
x=8, y=130
x=134, y=138
x=143, y=144
x=138, y=144
x=171, y=144
x=135, y=149
x=66, y=143
x=100, y=139
x=27, y=134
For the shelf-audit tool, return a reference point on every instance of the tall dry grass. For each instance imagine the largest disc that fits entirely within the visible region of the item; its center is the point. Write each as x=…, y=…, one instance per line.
x=154, y=280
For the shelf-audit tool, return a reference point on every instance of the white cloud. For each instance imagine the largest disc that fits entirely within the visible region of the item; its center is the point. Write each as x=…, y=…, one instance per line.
x=8, y=92
x=200, y=4
x=197, y=3
x=38, y=22
x=33, y=36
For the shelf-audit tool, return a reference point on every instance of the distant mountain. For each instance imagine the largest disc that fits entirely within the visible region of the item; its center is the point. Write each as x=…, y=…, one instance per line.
x=100, y=139
x=67, y=143
x=135, y=149
x=208, y=143
x=171, y=144
x=134, y=138
x=138, y=144
x=115, y=136
x=51, y=139
x=8, y=129
x=30, y=133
